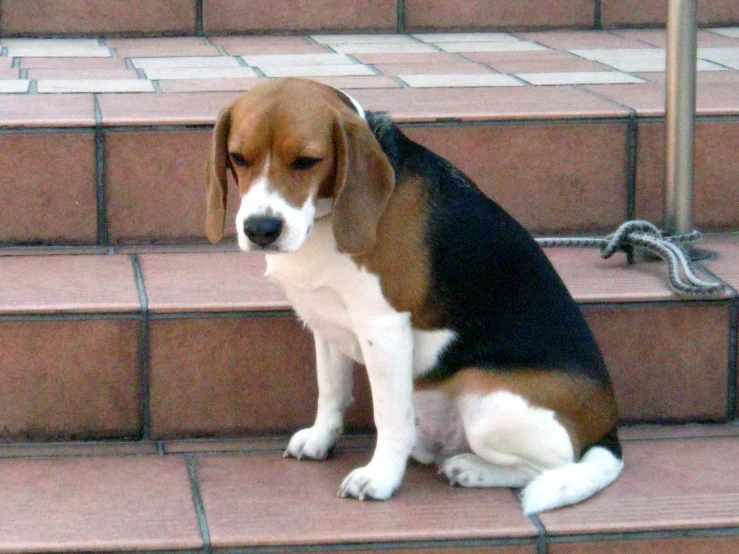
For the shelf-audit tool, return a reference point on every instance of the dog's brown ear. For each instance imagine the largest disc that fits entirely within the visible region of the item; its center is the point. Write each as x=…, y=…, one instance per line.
x=216, y=178
x=364, y=182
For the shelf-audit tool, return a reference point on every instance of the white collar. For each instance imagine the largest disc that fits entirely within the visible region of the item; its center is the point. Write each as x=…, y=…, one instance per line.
x=357, y=106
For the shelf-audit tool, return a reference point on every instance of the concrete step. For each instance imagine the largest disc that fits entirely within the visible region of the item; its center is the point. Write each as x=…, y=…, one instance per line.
x=143, y=343
x=110, y=136
x=197, y=17
x=678, y=493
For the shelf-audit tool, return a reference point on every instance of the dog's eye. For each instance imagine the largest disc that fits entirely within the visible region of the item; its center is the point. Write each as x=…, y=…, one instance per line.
x=304, y=162
x=239, y=160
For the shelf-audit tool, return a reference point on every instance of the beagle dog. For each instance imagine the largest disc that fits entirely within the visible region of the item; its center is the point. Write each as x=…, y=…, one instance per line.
x=478, y=358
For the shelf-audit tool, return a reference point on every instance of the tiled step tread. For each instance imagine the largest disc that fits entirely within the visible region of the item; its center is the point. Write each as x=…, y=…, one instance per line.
x=249, y=496
x=203, y=279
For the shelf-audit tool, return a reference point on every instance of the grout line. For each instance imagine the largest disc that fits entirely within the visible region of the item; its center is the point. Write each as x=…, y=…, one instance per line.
x=160, y=448
x=102, y=223
x=145, y=351
x=442, y=545
x=631, y=161
x=11, y=318
x=198, y=502
x=401, y=16
x=597, y=15
x=541, y=539
x=199, y=18
x=733, y=370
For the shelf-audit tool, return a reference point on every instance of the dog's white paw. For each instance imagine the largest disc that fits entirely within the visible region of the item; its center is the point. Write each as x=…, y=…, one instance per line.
x=311, y=444
x=370, y=483
x=466, y=470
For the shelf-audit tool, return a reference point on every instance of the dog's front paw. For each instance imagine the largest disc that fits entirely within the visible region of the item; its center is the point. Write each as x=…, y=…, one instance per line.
x=369, y=483
x=311, y=444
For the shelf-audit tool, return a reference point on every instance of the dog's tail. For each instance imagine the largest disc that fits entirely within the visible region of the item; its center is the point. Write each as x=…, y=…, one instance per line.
x=572, y=483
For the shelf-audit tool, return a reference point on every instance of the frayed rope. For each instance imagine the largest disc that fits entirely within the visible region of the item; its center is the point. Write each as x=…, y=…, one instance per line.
x=645, y=235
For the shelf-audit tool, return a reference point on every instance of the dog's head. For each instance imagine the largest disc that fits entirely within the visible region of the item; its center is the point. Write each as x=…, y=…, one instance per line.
x=290, y=144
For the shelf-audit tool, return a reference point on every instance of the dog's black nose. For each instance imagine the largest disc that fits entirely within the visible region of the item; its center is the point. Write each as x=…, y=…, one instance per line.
x=262, y=230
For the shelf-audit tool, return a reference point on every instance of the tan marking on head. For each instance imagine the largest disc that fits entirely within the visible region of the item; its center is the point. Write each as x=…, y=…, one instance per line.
x=401, y=256
x=282, y=121
x=585, y=408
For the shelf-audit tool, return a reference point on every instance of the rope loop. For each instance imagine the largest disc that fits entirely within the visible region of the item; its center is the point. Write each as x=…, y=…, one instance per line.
x=646, y=236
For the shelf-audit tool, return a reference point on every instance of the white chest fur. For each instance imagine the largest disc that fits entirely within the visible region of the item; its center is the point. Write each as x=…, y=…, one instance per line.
x=332, y=295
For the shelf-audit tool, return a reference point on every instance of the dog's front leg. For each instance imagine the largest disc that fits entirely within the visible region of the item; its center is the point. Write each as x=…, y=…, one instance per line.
x=387, y=348
x=334, y=373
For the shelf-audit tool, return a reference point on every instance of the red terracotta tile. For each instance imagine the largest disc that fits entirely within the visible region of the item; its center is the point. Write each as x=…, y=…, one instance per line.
x=431, y=69
x=241, y=16
x=559, y=165
x=571, y=40
x=69, y=379
x=9, y=73
x=68, y=284
x=360, y=81
x=666, y=485
x=496, y=14
x=157, y=47
x=725, y=263
x=590, y=278
x=658, y=37
x=73, y=63
x=58, y=110
x=95, y=17
x=695, y=545
x=163, y=109
x=155, y=188
x=6, y=63
x=527, y=56
x=624, y=13
x=262, y=500
x=100, y=504
x=687, y=431
x=648, y=99
x=496, y=103
x=667, y=362
x=76, y=449
x=35, y=74
x=254, y=45
x=716, y=202
x=211, y=282
x=209, y=85
x=518, y=549
x=57, y=201
x=237, y=375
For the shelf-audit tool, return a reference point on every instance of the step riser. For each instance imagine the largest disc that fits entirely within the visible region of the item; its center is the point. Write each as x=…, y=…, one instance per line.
x=254, y=374
x=153, y=187
x=195, y=17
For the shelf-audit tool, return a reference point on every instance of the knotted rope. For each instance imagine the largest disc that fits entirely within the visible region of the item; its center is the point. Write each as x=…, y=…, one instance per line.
x=644, y=235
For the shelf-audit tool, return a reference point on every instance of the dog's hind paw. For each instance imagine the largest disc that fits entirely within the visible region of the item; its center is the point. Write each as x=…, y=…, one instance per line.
x=311, y=444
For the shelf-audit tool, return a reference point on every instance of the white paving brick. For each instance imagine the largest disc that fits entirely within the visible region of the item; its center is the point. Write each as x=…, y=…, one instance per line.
x=33, y=42
x=14, y=86
x=239, y=72
x=461, y=80
x=260, y=60
x=502, y=46
x=579, y=78
x=410, y=48
x=185, y=61
x=636, y=60
x=363, y=39
x=466, y=37
x=727, y=31
x=94, y=85
x=724, y=56
x=316, y=70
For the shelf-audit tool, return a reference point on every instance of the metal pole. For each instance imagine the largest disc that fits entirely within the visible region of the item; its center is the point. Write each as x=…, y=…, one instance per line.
x=680, y=115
